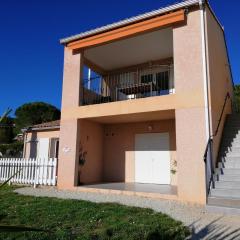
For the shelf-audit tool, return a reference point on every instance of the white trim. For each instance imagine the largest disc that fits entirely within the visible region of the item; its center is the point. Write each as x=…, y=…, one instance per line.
x=204, y=62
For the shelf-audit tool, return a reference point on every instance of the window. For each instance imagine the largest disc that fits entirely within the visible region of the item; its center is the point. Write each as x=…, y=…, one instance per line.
x=162, y=80
x=146, y=78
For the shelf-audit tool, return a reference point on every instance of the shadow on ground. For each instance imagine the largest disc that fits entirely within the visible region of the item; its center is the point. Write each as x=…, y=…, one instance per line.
x=214, y=231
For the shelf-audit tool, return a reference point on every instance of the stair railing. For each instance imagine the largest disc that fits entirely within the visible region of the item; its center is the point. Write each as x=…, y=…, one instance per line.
x=208, y=154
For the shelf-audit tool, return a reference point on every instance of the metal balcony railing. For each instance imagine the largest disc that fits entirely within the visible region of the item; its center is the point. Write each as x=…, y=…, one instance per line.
x=141, y=83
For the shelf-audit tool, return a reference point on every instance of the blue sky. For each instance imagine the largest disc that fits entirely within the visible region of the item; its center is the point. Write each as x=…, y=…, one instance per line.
x=31, y=58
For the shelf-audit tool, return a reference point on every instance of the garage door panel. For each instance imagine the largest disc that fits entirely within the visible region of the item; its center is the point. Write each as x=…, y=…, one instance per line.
x=152, y=158
x=143, y=168
x=161, y=167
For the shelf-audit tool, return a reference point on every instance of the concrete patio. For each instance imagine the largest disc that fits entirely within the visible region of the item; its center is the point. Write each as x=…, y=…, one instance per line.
x=131, y=189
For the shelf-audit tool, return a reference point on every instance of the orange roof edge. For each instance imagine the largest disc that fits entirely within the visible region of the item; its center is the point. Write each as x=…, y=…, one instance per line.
x=129, y=30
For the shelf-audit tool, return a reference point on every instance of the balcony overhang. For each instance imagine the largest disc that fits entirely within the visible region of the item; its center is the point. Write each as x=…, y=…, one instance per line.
x=144, y=48
x=151, y=108
x=129, y=30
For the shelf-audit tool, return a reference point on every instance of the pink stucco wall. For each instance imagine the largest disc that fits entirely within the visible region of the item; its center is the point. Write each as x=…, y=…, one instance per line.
x=219, y=76
x=190, y=121
x=119, y=147
x=105, y=142
x=30, y=149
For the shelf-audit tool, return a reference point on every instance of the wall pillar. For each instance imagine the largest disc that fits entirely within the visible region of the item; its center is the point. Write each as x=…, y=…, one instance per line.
x=70, y=127
x=191, y=120
x=191, y=143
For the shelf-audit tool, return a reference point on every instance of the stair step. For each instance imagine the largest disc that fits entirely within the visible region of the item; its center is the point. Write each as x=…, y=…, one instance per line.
x=229, y=154
x=231, y=149
x=228, y=159
x=223, y=210
x=227, y=185
x=232, y=154
x=225, y=193
x=229, y=164
x=224, y=202
x=228, y=171
x=228, y=177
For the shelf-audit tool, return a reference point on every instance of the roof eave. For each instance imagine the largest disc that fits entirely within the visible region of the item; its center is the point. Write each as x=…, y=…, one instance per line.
x=128, y=21
x=40, y=128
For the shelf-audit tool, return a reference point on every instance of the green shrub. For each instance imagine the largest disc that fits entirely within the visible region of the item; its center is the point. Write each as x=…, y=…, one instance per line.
x=6, y=134
x=11, y=150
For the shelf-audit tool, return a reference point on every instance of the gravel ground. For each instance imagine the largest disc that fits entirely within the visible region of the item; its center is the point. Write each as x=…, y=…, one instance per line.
x=204, y=225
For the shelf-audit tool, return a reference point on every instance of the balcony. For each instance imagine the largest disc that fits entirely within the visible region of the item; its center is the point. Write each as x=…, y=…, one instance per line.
x=141, y=82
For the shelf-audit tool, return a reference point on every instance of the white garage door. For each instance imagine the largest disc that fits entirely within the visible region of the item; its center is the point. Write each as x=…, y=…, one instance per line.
x=152, y=158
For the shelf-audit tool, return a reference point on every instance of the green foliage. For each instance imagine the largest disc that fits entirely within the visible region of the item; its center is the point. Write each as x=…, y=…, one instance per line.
x=237, y=97
x=6, y=127
x=35, y=113
x=11, y=150
x=6, y=133
x=75, y=219
x=5, y=114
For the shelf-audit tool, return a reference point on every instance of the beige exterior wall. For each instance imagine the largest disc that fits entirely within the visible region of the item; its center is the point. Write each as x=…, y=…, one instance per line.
x=91, y=139
x=190, y=120
x=119, y=147
x=70, y=128
x=30, y=148
x=219, y=76
x=115, y=141
x=110, y=149
x=178, y=100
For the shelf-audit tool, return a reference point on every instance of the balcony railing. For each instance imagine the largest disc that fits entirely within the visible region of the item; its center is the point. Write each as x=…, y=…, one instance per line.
x=147, y=82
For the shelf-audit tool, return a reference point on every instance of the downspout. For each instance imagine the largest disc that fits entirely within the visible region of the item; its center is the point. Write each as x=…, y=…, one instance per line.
x=206, y=87
x=205, y=71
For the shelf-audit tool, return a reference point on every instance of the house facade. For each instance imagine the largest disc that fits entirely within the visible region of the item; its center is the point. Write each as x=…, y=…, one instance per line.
x=142, y=97
x=41, y=140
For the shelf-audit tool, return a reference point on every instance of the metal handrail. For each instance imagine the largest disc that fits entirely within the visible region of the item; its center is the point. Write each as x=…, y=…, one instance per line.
x=209, y=146
x=220, y=119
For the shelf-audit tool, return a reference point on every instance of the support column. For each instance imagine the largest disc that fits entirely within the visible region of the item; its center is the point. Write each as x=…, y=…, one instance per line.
x=191, y=143
x=191, y=121
x=69, y=130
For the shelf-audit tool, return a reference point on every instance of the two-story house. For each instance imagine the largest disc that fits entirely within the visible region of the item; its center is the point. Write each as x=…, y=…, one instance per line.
x=143, y=98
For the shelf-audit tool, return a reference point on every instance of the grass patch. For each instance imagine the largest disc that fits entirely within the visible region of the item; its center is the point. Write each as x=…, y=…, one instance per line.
x=73, y=219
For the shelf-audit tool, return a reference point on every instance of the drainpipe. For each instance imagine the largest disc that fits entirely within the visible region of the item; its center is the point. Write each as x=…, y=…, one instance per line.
x=202, y=4
x=205, y=71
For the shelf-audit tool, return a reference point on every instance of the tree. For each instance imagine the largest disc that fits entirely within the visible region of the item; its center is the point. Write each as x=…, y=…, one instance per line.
x=35, y=113
x=6, y=127
x=5, y=115
x=237, y=97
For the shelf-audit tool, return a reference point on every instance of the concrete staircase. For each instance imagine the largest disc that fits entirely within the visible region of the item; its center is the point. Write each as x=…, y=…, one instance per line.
x=226, y=194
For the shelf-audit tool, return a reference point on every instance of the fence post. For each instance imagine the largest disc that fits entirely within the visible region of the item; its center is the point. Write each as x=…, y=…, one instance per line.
x=35, y=172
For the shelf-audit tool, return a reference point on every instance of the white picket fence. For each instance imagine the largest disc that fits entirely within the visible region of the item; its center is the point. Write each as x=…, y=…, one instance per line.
x=35, y=171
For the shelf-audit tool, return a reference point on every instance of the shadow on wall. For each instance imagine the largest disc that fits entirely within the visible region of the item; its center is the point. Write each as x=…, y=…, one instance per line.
x=33, y=145
x=213, y=231
x=119, y=145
